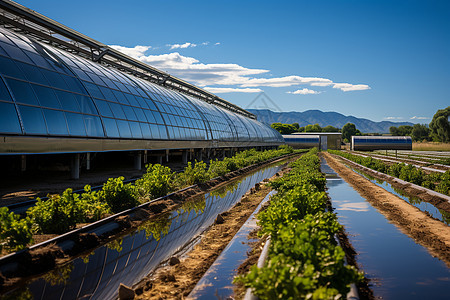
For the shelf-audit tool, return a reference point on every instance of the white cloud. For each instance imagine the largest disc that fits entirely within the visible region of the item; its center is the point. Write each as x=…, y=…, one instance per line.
x=135, y=52
x=347, y=87
x=216, y=44
x=304, y=91
x=181, y=46
x=419, y=118
x=393, y=118
x=285, y=81
x=219, y=90
x=192, y=70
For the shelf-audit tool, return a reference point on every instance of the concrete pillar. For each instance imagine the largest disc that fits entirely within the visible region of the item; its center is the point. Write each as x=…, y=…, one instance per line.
x=223, y=153
x=184, y=156
x=190, y=153
x=200, y=154
x=138, y=160
x=167, y=155
x=23, y=163
x=159, y=159
x=88, y=161
x=75, y=166
x=145, y=157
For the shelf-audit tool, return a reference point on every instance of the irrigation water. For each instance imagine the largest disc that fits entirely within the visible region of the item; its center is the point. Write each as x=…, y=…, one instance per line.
x=131, y=258
x=416, y=201
x=397, y=267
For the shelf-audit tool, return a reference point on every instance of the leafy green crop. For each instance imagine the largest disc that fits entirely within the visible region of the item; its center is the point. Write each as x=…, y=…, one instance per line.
x=304, y=260
x=15, y=233
x=439, y=182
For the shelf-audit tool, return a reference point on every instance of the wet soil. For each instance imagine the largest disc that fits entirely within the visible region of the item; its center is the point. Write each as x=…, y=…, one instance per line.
x=177, y=281
x=428, y=232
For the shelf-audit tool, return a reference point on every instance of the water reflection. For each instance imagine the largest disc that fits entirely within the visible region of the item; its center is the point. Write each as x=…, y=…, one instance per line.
x=129, y=259
x=416, y=201
x=397, y=267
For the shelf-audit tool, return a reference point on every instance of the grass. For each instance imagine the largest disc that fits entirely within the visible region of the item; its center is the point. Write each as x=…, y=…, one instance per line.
x=431, y=146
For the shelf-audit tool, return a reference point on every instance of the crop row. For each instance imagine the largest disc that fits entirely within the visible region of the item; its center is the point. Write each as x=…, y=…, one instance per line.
x=304, y=261
x=439, y=182
x=62, y=212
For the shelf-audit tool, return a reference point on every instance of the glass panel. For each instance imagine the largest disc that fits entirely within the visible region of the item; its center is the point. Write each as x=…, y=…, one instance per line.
x=121, y=97
x=4, y=93
x=146, y=133
x=76, y=124
x=75, y=84
x=129, y=113
x=140, y=114
x=22, y=92
x=86, y=104
x=124, y=129
x=55, y=79
x=56, y=122
x=93, y=126
x=135, y=130
x=16, y=53
x=38, y=60
x=155, y=131
x=104, y=108
x=9, y=68
x=108, y=94
x=117, y=110
x=111, y=127
x=46, y=96
x=33, y=73
x=33, y=120
x=163, y=132
x=132, y=100
x=9, y=122
x=93, y=90
x=68, y=101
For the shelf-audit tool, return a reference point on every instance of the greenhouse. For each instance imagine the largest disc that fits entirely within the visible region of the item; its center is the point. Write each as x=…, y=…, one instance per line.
x=62, y=92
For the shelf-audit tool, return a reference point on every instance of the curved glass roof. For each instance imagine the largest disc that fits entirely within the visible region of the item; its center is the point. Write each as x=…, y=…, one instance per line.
x=45, y=91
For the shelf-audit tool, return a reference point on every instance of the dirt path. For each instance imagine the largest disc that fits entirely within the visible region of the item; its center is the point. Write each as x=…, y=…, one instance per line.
x=430, y=233
x=177, y=281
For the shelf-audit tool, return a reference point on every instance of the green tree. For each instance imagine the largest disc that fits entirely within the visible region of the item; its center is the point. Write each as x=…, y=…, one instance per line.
x=313, y=128
x=297, y=126
x=440, y=126
x=420, y=132
x=330, y=128
x=283, y=128
x=402, y=130
x=348, y=130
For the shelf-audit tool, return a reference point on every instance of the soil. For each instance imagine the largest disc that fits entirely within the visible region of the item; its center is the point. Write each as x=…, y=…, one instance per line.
x=430, y=233
x=177, y=281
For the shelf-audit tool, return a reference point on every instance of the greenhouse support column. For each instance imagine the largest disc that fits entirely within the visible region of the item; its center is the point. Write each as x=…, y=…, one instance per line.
x=160, y=159
x=88, y=161
x=167, y=155
x=23, y=163
x=184, y=156
x=75, y=166
x=145, y=157
x=138, y=160
x=200, y=155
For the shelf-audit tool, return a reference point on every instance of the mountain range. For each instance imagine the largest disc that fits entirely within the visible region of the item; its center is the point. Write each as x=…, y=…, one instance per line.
x=323, y=119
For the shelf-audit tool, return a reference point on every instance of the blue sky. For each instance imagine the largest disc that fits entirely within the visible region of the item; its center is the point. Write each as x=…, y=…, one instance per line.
x=381, y=60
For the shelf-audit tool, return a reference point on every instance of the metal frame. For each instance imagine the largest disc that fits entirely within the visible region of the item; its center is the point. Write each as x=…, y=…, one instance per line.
x=26, y=21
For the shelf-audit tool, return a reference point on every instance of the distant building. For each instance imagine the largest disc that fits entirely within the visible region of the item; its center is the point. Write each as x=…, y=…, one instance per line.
x=369, y=143
x=321, y=140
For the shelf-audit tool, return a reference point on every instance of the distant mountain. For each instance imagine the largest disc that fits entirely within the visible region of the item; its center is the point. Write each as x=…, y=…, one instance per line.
x=323, y=119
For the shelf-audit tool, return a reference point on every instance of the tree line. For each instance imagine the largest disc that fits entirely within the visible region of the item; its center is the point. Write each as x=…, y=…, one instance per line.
x=437, y=131
x=347, y=130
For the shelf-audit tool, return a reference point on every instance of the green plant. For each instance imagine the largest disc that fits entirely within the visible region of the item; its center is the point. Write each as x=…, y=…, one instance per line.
x=58, y=214
x=193, y=175
x=118, y=195
x=158, y=181
x=15, y=233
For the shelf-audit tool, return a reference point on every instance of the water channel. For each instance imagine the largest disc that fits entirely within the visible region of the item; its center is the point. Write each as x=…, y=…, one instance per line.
x=397, y=267
x=134, y=256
